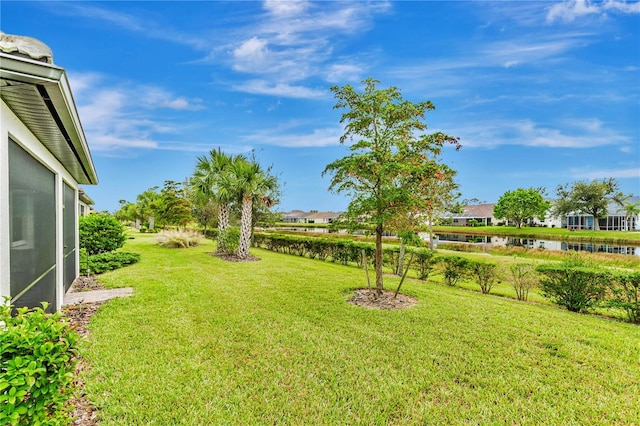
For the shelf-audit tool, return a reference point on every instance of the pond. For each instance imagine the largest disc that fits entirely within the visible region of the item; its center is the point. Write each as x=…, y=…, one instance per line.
x=500, y=241
x=539, y=243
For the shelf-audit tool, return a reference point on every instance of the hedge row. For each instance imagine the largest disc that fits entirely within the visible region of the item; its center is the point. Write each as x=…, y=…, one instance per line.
x=344, y=251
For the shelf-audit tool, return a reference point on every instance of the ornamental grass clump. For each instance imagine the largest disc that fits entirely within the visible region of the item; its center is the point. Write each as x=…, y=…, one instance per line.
x=180, y=238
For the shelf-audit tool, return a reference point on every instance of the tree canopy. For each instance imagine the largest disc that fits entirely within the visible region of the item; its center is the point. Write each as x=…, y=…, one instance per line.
x=389, y=149
x=521, y=205
x=588, y=198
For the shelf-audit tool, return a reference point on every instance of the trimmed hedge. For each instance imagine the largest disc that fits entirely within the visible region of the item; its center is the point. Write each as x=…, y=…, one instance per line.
x=342, y=250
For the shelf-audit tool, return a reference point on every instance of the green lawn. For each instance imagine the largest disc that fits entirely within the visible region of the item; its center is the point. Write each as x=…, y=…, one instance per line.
x=209, y=342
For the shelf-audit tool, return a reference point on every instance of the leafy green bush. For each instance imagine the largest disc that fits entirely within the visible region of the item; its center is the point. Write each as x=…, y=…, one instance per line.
x=577, y=288
x=100, y=233
x=99, y=263
x=485, y=274
x=38, y=355
x=625, y=289
x=523, y=277
x=453, y=268
x=228, y=240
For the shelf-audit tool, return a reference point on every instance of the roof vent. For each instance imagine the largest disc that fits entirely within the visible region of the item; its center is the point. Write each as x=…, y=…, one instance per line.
x=27, y=47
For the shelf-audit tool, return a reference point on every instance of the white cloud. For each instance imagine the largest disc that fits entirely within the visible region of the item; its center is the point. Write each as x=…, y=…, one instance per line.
x=284, y=137
x=583, y=133
x=262, y=87
x=622, y=6
x=285, y=8
x=569, y=11
x=251, y=56
x=344, y=72
x=119, y=116
x=608, y=173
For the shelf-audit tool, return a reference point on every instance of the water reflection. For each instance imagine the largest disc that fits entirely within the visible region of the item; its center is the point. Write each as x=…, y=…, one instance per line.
x=544, y=244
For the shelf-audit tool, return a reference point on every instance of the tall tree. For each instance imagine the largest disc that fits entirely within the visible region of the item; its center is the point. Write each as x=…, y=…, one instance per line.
x=587, y=198
x=175, y=206
x=252, y=182
x=521, y=205
x=388, y=146
x=213, y=180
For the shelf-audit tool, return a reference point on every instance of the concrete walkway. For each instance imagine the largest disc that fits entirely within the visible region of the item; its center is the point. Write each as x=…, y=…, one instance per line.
x=95, y=295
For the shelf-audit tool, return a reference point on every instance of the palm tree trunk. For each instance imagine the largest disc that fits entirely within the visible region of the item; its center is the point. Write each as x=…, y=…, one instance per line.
x=223, y=225
x=245, y=227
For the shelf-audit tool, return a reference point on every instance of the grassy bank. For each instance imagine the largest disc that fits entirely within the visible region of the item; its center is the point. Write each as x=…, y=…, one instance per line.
x=204, y=341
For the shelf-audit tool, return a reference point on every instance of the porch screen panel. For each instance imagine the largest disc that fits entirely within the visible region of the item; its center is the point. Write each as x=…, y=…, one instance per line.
x=69, y=237
x=32, y=210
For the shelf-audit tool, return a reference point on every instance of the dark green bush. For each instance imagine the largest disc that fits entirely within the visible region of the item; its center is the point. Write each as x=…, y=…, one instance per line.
x=454, y=268
x=577, y=288
x=625, y=294
x=104, y=262
x=38, y=355
x=485, y=274
x=100, y=233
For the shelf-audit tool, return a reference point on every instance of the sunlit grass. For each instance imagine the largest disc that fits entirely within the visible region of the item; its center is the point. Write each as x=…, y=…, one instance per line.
x=209, y=342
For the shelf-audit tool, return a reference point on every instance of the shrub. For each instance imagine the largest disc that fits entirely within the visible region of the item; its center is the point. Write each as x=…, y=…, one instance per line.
x=99, y=263
x=485, y=274
x=37, y=364
x=100, y=233
x=178, y=238
x=453, y=268
x=577, y=288
x=228, y=240
x=625, y=289
x=523, y=278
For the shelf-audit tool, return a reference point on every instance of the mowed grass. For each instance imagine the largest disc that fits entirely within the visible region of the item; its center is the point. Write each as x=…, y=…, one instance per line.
x=209, y=342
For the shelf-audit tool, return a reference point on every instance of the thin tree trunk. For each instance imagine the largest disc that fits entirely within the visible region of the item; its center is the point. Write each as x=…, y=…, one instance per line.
x=365, y=262
x=401, y=257
x=378, y=260
x=404, y=276
x=431, y=232
x=245, y=227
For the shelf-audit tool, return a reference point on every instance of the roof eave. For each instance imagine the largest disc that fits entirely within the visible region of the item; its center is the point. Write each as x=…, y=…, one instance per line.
x=54, y=79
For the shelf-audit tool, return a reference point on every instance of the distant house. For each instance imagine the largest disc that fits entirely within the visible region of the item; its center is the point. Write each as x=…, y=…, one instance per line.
x=44, y=156
x=314, y=216
x=482, y=213
x=616, y=219
x=322, y=217
x=84, y=203
x=294, y=216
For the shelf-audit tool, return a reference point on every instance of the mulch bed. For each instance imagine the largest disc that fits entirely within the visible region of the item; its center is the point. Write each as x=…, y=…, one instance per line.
x=84, y=414
x=369, y=299
x=234, y=258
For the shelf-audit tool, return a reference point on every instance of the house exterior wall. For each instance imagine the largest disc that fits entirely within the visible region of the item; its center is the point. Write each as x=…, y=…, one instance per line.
x=12, y=127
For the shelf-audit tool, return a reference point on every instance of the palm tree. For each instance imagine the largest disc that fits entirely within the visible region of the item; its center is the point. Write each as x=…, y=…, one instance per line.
x=631, y=212
x=251, y=181
x=212, y=180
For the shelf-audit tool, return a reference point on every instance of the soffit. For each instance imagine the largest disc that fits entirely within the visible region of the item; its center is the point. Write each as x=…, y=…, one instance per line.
x=42, y=106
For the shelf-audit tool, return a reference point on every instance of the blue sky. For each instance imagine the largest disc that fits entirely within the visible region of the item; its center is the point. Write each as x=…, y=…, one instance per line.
x=539, y=93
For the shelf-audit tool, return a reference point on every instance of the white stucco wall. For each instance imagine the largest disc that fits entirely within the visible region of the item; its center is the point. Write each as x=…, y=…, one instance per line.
x=11, y=126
